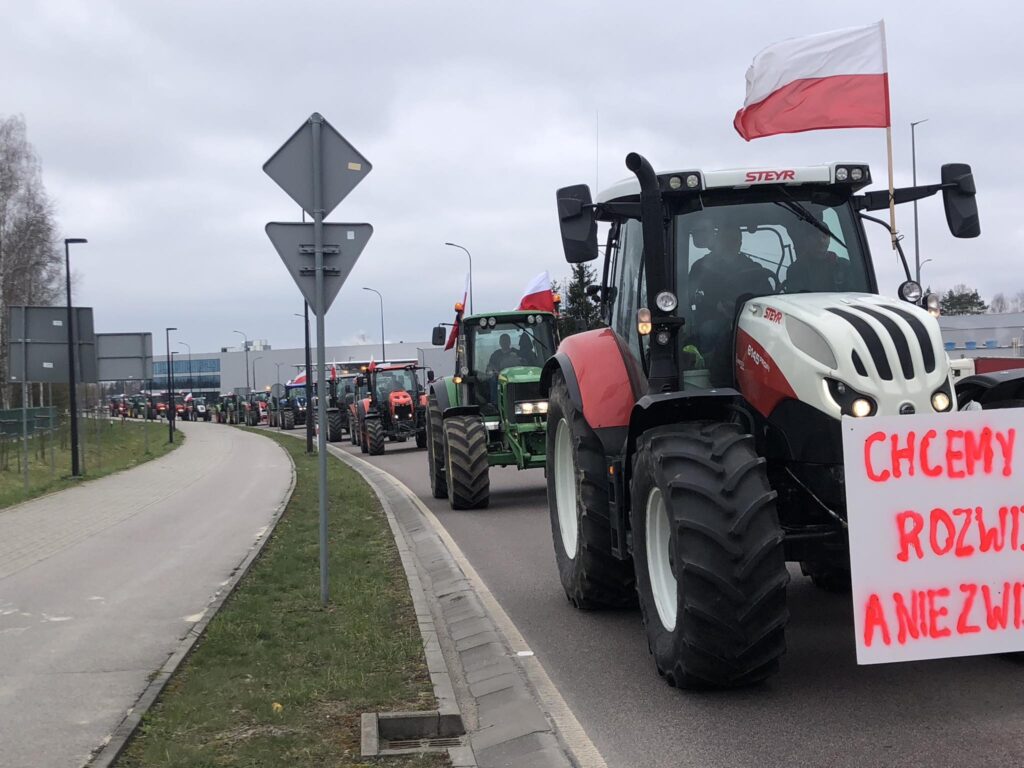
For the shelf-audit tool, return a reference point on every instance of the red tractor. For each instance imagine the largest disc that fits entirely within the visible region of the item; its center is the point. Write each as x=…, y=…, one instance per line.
x=694, y=445
x=395, y=408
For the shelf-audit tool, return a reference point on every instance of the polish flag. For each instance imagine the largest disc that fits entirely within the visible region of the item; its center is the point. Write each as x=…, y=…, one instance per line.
x=538, y=295
x=830, y=80
x=300, y=379
x=454, y=335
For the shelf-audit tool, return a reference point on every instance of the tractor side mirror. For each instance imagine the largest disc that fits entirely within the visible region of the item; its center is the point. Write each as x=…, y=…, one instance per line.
x=430, y=374
x=577, y=222
x=438, y=336
x=958, y=198
x=359, y=381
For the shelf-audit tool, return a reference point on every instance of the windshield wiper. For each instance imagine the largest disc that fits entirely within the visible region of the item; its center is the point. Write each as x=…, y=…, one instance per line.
x=801, y=212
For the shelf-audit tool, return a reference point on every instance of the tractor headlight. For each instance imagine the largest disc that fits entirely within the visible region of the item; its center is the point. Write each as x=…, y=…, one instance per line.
x=666, y=301
x=931, y=303
x=850, y=401
x=941, y=401
x=911, y=291
x=861, y=407
x=643, y=321
x=531, y=408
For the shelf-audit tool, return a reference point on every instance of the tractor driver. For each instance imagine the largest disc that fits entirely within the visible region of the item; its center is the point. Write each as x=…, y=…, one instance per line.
x=815, y=268
x=717, y=281
x=526, y=351
x=504, y=356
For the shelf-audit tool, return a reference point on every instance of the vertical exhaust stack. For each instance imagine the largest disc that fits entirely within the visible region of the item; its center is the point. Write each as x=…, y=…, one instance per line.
x=662, y=371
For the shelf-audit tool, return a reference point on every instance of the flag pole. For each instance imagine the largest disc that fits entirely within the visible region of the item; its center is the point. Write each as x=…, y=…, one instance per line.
x=892, y=199
x=888, y=136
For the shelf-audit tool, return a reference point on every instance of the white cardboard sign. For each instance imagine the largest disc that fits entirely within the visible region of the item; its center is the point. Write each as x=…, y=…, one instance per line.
x=936, y=513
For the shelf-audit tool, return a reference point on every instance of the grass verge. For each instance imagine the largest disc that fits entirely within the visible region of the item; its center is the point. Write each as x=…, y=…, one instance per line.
x=106, y=447
x=278, y=681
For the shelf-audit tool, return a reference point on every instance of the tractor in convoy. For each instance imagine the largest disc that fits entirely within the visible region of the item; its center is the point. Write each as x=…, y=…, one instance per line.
x=491, y=411
x=394, y=407
x=353, y=404
x=694, y=444
x=290, y=409
x=256, y=409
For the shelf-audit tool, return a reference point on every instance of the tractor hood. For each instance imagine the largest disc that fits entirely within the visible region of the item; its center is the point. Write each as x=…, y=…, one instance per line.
x=521, y=374
x=829, y=349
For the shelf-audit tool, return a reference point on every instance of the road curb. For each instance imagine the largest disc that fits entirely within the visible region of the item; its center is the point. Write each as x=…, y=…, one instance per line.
x=111, y=749
x=508, y=705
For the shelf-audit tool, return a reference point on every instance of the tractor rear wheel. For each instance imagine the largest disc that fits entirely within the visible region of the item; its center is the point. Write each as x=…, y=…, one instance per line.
x=375, y=437
x=421, y=438
x=353, y=430
x=591, y=575
x=333, y=425
x=435, y=449
x=288, y=419
x=467, y=470
x=707, y=546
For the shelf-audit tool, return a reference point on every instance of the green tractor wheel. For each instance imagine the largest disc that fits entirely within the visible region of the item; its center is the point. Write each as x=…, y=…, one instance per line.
x=465, y=442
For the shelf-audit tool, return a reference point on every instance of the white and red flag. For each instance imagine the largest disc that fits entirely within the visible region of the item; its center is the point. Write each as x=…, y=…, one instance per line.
x=300, y=379
x=460, y=308
x=538, y=295
x=830, y=80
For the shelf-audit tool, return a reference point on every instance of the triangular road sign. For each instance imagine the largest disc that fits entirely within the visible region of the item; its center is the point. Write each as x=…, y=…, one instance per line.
x=342, y=245
x=292, y=166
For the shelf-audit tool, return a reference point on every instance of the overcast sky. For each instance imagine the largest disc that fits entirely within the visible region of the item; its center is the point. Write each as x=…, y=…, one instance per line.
x=153, y=121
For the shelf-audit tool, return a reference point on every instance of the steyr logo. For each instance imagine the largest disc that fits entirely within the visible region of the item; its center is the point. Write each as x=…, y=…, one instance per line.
x=772, y=315
x=755, y=176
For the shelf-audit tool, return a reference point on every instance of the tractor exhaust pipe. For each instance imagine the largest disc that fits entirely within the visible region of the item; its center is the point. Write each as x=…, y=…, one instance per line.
x=662, y=372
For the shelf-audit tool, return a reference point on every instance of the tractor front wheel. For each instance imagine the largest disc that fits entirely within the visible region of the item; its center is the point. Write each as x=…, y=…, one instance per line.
x=288, y=419
x=333, y=425
x=465, y=449
x=591, y=575
x=375, y=437
x=435, y=449
x=707, y=548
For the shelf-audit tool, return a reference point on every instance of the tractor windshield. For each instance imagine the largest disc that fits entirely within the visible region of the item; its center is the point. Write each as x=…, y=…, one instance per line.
x=395, y=381
x=509, y=342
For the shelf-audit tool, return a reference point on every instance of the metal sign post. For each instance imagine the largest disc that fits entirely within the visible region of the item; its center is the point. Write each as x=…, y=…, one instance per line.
x=299, y=167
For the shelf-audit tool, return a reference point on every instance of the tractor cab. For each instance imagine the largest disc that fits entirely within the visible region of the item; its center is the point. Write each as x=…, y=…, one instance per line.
x=504, y=347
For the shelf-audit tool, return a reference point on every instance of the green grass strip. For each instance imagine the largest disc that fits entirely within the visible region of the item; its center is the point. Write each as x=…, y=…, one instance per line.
x=278, y=681
x=107, y=447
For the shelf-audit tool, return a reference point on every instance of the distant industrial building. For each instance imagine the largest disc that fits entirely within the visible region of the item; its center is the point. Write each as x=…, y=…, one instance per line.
x=260, y=366
x=994, y=335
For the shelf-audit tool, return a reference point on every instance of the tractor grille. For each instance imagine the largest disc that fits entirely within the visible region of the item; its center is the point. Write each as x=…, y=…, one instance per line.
x=403, y=412
x=887, y=318
x=519, y=392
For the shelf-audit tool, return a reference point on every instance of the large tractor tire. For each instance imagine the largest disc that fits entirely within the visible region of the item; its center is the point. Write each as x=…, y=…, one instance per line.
x=591, y=575
x=353, y=430
x=421, y=438
x=434, y=434
x=466, y=468
x=707, y=547
x=288, y=419
x=333, y=425
x=374, y=437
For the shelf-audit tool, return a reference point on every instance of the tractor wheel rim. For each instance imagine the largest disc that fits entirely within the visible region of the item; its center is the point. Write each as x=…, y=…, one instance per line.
x=565, y=489
x=659, y=560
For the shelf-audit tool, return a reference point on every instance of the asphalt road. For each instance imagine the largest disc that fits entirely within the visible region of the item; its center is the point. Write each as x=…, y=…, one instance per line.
x=99, y=583
x=821, y=710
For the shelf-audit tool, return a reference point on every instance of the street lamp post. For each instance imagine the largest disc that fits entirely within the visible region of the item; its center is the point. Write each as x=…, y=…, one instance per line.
x=170, y=386
x=72, y=399
x=247, y=387
x=254, y=371
x=383, y=352
x=189, y=348
x=913, y=163
x=456, y=245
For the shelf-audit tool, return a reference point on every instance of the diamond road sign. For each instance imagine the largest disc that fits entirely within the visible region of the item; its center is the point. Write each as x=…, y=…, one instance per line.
x=292, y=167
x=342, y=245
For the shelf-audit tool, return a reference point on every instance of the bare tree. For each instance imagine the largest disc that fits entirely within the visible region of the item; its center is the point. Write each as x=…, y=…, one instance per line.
x=998, y=305
x=1017, y=302
x=30, y=260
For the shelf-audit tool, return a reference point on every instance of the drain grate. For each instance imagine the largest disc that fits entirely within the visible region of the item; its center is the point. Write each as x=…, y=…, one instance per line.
x=423, y=744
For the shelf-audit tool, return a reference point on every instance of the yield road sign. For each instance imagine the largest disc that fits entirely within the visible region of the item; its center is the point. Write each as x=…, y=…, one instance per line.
x=342, y=245
x=292, y=166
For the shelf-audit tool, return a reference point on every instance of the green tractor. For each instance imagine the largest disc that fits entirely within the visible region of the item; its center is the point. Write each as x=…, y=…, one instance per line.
x=490, y=412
